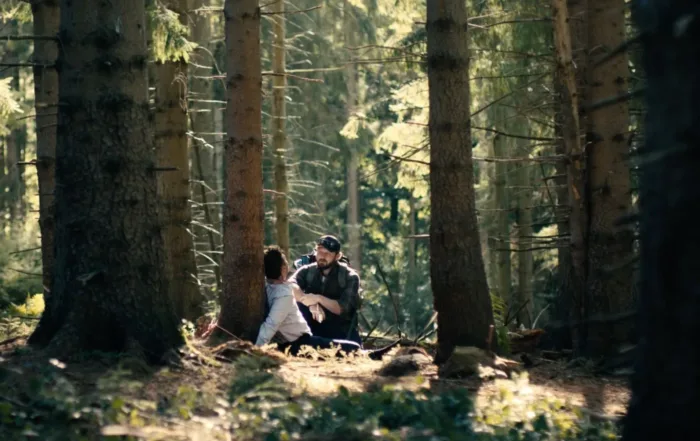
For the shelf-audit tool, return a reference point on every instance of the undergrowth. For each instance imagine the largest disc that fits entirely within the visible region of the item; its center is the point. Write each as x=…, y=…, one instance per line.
x=47, y=401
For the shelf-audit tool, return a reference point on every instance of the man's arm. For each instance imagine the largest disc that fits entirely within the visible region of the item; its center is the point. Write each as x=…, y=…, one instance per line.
x=281, y=306
x=348, y=302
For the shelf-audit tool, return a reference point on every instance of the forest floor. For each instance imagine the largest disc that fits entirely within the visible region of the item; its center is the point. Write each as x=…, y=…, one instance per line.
x=239, y=392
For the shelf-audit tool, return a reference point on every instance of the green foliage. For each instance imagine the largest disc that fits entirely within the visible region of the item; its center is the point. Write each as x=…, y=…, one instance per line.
x=19, y=10
x=8, y=104
x=169, y=34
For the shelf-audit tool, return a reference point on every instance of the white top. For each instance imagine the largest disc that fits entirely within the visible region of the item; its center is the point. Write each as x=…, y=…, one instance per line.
x=284, y=316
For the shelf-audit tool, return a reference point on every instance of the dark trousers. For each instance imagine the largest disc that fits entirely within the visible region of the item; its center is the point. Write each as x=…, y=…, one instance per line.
x=315, y=342
x=333, y=327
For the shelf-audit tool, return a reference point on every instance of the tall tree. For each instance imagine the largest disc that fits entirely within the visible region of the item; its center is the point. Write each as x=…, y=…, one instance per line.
x=354, y=226
x=501, y=237
x=525, y=235
x=242, y=297
x=174, y=182
x=569, y=32
x=46, y=16
x=205, y=144
x=457, y=273
x=108, y=291
x=665, y=384
x=278, y=123
x=608, y=284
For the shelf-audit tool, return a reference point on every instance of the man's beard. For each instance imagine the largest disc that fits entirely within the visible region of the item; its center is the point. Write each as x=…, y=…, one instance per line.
x=323, y=266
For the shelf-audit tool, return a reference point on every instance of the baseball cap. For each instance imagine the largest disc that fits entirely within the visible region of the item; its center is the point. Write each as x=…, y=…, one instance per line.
x=331, y=243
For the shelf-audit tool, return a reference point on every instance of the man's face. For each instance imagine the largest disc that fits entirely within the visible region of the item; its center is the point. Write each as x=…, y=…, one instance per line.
x=324, y=258
x=284, y=271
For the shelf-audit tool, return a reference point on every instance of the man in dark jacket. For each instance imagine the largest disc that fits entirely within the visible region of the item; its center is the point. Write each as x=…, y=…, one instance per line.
x=335, y=287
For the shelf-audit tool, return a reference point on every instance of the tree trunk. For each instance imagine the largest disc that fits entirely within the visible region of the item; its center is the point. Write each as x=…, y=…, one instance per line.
x=46, y=17
x=666, y=385
x=525, y=234
x=607, y=291
x=174, y=185
x=205, y=188
x=562, y=309
x=242, y=306
x=3, y=186
x=278, y=120
x=458, y=279
x=569, y=28
x=108, y=286
x=501, y=204
x=353, y=176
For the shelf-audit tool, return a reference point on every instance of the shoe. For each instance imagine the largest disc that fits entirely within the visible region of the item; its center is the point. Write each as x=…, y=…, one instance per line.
x=377, y=354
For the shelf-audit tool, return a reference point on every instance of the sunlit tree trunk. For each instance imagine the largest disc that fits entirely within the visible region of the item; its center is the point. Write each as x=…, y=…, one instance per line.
x=458, y=278
x=46, y=16
x=242, y=306
x=608, y=284
x=353, y=217
x=205, y=144
x=174, y=185
x=278, y=120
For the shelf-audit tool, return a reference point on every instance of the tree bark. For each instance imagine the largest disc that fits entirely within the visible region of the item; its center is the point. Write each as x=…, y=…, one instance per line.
x=525, y=303
x=570, y=29
x=609, y=198
x=278, y=120
x=458, y=279
x=205, y=188
x=46, y=16
x=353, y=186
x=174, y=185
x=501, y=204
x=108, y=280
x=242, y=306
x=665, y=384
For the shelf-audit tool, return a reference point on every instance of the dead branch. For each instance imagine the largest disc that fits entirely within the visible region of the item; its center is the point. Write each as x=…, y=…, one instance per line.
x=292, y=12
x=511, y=135
x=27, y=37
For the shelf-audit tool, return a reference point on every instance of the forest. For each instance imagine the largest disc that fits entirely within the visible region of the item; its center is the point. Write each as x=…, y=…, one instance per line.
x=506, y=191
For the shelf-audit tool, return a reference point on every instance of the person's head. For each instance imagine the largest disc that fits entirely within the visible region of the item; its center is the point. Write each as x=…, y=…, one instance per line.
x=327, y=251
x=276, y=267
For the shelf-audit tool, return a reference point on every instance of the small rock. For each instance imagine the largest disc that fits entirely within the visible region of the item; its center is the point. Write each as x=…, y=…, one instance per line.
x=404, y=365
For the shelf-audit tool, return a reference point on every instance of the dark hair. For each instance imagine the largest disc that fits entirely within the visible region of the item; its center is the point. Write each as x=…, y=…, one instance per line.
x=274, y=259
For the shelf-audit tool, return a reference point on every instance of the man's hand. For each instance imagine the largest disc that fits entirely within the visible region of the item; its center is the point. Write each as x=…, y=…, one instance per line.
x=317, y=313
x=311, y=299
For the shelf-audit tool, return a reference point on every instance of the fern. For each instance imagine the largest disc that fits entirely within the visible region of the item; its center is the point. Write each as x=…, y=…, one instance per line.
x=500, y=309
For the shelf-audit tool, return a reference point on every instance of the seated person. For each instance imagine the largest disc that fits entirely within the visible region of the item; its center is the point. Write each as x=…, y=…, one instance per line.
x=335, y=287
x=284, y=317
x=284, y=320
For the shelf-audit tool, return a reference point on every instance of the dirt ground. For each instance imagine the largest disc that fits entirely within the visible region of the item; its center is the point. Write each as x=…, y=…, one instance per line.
x=601, y=397
x=574, y=386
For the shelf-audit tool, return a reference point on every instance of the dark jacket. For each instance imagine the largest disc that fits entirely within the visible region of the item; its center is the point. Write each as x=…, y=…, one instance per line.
x=342, y=284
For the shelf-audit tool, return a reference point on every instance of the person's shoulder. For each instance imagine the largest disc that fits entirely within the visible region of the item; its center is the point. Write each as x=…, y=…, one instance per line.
x=308, y=267
x=349, y=270
x=277, y=290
